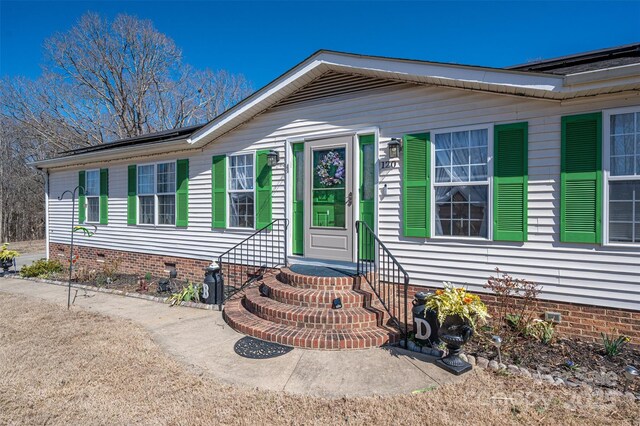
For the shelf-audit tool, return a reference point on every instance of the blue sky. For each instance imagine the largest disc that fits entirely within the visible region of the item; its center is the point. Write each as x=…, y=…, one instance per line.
x=264, y=39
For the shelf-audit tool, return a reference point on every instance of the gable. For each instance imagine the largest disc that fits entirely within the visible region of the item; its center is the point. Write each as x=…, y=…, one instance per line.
x=333, y=83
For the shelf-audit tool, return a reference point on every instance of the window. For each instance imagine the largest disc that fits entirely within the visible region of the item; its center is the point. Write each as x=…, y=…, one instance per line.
x=241, y=191
x=157, y=194
x=622, y=142
x=461, y=183
x=92, y=193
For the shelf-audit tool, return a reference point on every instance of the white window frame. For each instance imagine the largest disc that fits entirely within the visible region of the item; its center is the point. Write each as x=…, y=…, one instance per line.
x=606, y=172
x=86, y=206
x=489, y=182
x=246, y=191
x=155, y=195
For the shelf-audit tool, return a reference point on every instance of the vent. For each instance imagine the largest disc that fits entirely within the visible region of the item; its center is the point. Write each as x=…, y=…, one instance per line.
x=554, y=317
x=333, y=83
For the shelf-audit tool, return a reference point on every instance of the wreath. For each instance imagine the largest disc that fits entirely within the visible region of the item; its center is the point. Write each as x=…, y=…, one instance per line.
x=330, y=170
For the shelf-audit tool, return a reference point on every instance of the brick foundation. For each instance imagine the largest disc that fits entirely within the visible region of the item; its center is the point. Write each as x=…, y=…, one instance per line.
x=578, y=320
x=131, y=262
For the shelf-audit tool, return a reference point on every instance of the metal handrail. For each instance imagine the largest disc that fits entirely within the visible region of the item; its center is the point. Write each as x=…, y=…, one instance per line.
x=265, y=248
x=385, y=274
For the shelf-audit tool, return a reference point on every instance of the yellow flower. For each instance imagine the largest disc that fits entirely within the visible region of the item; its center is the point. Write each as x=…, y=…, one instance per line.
x=439, y=292
x=467, y=300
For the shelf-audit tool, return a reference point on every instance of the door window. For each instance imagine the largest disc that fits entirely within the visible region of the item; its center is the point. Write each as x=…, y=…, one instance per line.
x=328, y=191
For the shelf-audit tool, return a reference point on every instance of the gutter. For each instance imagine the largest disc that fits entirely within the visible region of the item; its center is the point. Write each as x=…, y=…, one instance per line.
x=112, y=154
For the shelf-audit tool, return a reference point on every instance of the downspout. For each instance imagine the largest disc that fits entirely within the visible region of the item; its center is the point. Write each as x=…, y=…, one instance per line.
x=46, y=213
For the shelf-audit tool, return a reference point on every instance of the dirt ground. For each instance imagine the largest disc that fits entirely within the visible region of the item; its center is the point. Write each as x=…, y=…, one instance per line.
x=59, y=367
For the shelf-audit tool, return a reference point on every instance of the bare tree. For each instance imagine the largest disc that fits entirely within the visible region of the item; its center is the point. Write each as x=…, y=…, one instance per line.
x=101, y=81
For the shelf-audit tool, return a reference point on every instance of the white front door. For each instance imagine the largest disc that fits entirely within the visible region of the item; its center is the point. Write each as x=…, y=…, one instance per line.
x=329, y=198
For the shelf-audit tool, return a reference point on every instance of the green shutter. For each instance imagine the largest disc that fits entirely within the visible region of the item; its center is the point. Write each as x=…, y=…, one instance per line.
x=104, y=196
x=416, y=185
x=581, y=179
x=182, y=193
x=367, y=202
x=298, y=202
x=132, y=199
x=263, y=190
x=82, y=200
x=510, y=180
x=219, y=192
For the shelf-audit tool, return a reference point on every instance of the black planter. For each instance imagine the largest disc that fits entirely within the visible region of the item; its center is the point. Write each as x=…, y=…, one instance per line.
x=6, y=264
x=454, y=332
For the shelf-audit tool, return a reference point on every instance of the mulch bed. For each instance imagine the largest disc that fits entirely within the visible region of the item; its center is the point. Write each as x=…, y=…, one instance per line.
x=123, y=282
x=590, y=364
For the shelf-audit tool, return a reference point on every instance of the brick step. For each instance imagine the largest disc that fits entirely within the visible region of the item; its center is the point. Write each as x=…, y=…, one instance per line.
x=308, y=317
x=245, y=322
x=289, y=295
x=287, y=276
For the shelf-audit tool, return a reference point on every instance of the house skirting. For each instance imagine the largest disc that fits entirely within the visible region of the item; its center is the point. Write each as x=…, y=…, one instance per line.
x=578, y=320
x=134, y=263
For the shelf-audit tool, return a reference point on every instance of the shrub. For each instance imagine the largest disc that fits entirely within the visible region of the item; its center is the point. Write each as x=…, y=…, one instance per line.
x=517, y=299
x=541, y=330
x=187, y=294
x=613, y=347
x=42, y=268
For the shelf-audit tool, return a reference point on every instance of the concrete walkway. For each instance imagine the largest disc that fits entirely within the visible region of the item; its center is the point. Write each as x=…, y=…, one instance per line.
x=201, y=339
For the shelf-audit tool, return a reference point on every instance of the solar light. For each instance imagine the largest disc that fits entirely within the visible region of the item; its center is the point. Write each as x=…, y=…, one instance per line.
x=264, y=290
x=337, y=303
x=272, y=158
x=395, y=146
x=497, y=342
x=630, y=373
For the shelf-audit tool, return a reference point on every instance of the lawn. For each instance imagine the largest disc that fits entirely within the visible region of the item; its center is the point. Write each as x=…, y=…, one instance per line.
x=59, y=367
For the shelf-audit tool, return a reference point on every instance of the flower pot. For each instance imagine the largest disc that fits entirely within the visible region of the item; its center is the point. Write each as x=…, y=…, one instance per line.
x=6, y=264
x=454, y=332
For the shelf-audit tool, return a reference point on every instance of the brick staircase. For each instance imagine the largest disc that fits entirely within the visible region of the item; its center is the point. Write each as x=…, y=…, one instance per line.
x=297, y=311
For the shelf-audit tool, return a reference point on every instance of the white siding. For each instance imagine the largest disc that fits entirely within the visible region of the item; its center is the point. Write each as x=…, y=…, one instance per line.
x=601, y=275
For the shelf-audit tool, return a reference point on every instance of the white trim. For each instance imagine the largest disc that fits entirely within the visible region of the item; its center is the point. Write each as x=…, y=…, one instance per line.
x=155, y=194
x=488, y=183
x=86, y=204
x=606, y=173
x=253, y=154
x=47, y=238
x=307, y=137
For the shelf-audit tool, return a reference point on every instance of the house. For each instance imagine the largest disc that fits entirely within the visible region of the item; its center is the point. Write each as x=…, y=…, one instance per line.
x=456, y=169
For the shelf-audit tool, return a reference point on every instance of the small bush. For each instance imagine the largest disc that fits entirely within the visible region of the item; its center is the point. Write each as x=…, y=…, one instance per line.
x=42, y=268
x=613, y=347
x=541, y=331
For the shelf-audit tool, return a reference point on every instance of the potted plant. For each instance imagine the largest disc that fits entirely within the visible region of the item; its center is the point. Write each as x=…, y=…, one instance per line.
x=458, y=312
x=6, y=257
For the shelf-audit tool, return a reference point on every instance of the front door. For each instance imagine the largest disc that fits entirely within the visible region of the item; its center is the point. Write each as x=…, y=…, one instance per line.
x=328, y=199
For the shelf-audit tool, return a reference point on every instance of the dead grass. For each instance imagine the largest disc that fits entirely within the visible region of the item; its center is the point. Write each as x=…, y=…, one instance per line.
x=26, y=247
x=59, y=367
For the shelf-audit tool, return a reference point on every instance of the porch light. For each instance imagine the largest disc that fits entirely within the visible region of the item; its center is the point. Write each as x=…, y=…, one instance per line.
x=395, y=146
x=337, y=303
x=272, y=158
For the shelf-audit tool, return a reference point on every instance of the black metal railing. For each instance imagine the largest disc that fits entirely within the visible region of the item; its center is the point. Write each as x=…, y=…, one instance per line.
x=387, y=278
x=249, y=259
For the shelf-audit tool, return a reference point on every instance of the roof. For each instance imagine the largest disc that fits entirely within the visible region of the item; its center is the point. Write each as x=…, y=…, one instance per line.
x=149, y=138
x=535, y=80
x=585, y=61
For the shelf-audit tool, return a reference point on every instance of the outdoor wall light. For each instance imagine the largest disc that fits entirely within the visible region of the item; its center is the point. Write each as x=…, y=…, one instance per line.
x=337, y=303
x=272, y=158
x=395, y=146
